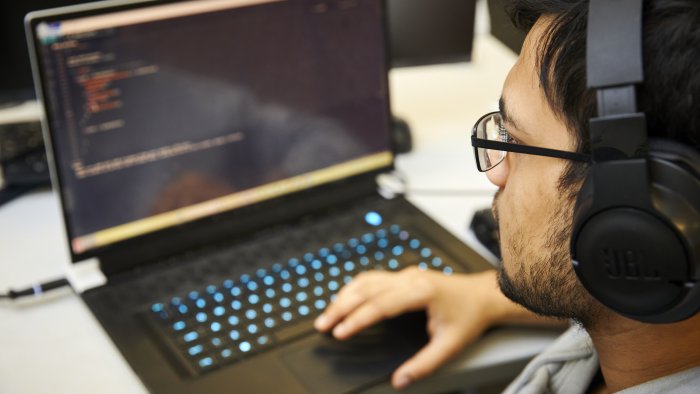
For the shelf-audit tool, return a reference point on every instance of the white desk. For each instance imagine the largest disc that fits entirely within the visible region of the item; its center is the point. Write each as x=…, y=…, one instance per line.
x=55, y=345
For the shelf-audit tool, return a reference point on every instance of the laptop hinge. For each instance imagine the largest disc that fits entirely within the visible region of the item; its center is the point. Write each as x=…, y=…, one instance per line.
x=232, y=225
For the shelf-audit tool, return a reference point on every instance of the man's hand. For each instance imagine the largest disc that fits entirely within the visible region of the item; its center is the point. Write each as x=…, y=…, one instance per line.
x=459, y=309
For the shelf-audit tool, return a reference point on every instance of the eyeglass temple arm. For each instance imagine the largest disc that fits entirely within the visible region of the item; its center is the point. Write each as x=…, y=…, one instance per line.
x=529, y=150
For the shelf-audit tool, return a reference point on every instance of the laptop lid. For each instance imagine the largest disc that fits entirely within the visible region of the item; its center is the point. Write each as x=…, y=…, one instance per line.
x=161, y=118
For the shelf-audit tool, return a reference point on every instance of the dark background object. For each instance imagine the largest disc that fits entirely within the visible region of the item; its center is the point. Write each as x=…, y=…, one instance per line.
x=16, y=83
x=427, y=32
x=485, y=228
x=502, y=28
x=401, y=139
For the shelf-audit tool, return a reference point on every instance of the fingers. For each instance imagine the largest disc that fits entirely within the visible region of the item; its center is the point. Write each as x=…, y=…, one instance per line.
x=371, y=297
x=363, y=287
x=382, y=306
x=441, y=348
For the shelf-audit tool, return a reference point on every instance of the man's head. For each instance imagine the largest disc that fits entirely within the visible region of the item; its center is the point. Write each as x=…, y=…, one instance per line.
x=546, y=104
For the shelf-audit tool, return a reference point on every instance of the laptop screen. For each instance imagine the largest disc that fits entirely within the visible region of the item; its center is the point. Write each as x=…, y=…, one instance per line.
x=169, y=113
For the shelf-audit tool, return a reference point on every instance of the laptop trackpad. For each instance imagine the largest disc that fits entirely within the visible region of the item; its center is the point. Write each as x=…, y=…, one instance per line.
x=332, y=366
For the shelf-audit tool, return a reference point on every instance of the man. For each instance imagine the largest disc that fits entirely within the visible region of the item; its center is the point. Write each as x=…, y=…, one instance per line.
x=545, y=103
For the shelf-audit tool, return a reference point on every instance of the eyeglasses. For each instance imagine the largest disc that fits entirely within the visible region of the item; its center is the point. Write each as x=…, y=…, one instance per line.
x=492, y=142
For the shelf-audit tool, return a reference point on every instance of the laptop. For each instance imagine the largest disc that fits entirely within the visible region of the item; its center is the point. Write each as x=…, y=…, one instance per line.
x=219, y=158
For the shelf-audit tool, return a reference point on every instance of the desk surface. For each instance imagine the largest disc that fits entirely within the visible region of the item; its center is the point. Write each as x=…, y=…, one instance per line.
x=55, y=344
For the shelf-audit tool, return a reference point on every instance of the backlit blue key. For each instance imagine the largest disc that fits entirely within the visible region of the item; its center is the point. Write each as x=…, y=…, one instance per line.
x=182, y=308
x=426, y=252
x=252, y=328
x=252, y=286
x=373, y=218
x=201, y=303
x=414, y=244
x=320, y=304
x=211, y=289
x=293, y=262
x=287, y=316
x=334, y=271
x=316, y=264
x=253, y=299
x=218, y=297
x=245, y=278
x=201, y=317
x=285, y=275
x=303, y=282
x=270, y=293
x=226, y=353
x=269, y=322
x=236, y=291
x=179, y=326
x=216, y=327
x=304, y=310
x=323, y=252
x=245, y=346
x=251, y=314
x=219, y=311
x=301, y=270
x=236, y=305
x=333, y=285
x=318, y=277
x=383, y=243
x=193, y=295
x=285, y=302
x=447, y=271
x=287, y=287
x=395, y=229
x=157, y=308
x=393, y=264
x=332, y=259
x=235, y=335
x=261, y=273
x=353, y=242
x=267, y=308
x=397, y=250
x=190, y=336
x=361, y=249
x=349, y=266
x=302, y=296
x=228, y=283
x=206, y=362
x=308, y=257
x=269, y=280
x=437, y=262
x=195, y=350
x=318, y=291
x=423, y=266
x=233, y=320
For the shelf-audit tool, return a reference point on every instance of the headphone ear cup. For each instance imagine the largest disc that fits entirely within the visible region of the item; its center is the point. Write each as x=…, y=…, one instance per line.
x=643, y=262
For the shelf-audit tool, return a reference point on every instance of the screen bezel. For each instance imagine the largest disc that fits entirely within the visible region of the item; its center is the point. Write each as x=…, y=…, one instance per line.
x=200, y=231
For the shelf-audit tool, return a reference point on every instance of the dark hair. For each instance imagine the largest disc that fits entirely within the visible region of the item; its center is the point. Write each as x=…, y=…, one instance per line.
x=671, y=50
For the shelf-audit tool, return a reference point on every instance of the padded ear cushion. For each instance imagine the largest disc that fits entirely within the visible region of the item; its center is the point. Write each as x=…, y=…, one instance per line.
x=644, y=263
x=672, y=150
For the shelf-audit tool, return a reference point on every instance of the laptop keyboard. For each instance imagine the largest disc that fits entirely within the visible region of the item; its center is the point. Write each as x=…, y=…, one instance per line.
x=237, y=318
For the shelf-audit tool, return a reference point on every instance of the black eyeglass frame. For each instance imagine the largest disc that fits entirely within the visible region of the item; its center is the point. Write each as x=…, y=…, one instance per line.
x=517, y=148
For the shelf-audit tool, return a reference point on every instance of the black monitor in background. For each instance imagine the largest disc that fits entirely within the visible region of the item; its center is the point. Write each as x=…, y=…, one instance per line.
x=423, y=32
x=16, y=83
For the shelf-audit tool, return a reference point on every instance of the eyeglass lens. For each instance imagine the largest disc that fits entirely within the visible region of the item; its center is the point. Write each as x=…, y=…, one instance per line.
x=491, y=128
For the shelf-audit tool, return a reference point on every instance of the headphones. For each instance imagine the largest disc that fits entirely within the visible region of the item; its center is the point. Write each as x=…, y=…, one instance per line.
x=635, y=240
